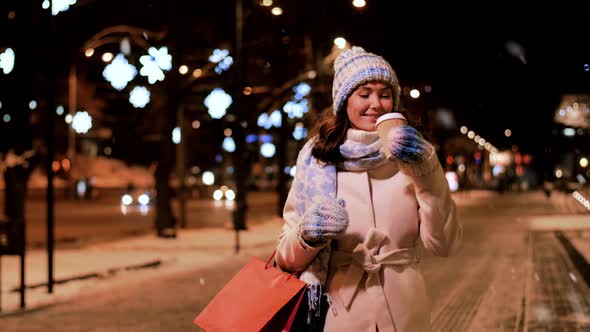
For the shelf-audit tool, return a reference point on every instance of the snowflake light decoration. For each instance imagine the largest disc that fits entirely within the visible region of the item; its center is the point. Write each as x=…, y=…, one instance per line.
x=58, y=6
x=7, y=61
x=217, y=102
x=296, y=109
x=224, y=65
x=267, y=121
x=228, y=144
x=267, y=150
x=222, y=59
x=163, y=59
x=119, y=72
x=262, y=120
x=82, y=122
x=139, y=97
x=176, y=135
x=299, y=132
x=218, y=55
x=301, y=90
x=150, y=69
x=154, y=64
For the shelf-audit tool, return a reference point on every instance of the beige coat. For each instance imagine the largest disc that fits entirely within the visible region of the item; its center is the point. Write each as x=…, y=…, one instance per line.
x=374, y=278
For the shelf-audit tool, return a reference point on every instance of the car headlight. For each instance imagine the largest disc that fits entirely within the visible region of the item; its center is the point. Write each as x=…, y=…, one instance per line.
x=230, y=195
x=143, y=199
x=217, y=194
x=126, y=199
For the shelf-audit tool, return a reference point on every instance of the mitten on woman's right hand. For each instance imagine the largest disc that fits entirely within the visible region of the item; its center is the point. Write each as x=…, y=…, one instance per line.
x=407, y=144
x=324, y=221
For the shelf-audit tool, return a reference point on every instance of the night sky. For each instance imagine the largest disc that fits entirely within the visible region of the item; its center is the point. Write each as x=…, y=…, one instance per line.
x=495, y=65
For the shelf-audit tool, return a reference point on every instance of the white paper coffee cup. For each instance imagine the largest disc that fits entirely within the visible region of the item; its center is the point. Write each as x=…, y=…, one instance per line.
x=384, y=124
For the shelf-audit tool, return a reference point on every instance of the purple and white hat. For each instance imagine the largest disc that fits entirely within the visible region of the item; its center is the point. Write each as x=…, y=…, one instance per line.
x=355, y=67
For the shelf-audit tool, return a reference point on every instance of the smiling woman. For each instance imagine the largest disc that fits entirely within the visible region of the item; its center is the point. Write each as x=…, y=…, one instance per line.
x=357, y=75
x=349, y=200
x=367, y=103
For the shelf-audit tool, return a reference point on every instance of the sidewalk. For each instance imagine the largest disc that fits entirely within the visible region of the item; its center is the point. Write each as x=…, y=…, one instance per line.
x=77, y=270
x=576, y=229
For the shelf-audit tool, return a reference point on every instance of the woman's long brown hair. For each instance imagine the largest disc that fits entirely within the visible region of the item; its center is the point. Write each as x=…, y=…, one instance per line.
x=330, y=133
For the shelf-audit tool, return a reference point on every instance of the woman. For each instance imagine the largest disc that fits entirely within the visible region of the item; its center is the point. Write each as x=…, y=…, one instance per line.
x=353, y=218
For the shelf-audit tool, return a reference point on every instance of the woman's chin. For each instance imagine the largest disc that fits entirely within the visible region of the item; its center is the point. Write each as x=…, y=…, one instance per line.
x=368, y=126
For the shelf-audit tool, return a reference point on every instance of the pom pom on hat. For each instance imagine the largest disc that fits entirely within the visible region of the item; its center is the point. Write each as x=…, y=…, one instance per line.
x=355, y=67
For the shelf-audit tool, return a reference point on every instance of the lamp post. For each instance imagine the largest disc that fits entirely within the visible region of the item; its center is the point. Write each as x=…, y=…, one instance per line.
x=50, y=154
x=16, y=144
x=239, y=215
x=56, y=8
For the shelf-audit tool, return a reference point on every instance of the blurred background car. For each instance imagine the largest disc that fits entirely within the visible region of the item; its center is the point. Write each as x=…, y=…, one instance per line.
x=133, y=200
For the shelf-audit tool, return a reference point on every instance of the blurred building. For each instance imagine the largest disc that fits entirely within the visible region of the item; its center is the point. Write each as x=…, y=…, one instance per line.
x=569, y=152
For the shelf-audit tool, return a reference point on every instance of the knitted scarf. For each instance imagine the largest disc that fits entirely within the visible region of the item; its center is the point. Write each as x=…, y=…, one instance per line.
x=315, y=181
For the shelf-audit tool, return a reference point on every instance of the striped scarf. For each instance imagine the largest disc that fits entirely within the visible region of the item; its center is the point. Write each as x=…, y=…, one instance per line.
x=315, y=181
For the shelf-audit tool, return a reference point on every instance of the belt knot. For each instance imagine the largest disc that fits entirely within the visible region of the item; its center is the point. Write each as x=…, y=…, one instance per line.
x=364, y=259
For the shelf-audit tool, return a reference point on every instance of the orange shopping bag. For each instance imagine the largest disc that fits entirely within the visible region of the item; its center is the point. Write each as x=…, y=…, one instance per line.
x=259, y=297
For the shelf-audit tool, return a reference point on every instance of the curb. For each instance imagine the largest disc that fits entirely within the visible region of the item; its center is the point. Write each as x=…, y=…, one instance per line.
x=576, y=257
x=94, y=275
x=109, y=273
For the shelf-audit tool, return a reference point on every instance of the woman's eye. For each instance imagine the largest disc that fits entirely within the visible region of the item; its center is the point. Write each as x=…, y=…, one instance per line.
x=364, y=96
x=386, y=96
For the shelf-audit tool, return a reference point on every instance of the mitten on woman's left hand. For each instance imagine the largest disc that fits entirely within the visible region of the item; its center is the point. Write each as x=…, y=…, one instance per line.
x=407, y=144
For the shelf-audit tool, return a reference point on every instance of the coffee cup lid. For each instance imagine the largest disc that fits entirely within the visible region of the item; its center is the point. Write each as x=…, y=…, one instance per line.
x=389, y=116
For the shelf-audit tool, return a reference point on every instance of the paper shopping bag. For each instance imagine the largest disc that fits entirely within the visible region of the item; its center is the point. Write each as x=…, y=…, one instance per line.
x=259, y=297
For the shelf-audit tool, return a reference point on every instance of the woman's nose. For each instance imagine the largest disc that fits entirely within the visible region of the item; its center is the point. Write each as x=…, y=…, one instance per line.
x=375, y=102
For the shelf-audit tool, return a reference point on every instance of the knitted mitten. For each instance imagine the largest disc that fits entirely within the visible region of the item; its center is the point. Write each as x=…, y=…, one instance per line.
x=323, y=221
x=407, y=144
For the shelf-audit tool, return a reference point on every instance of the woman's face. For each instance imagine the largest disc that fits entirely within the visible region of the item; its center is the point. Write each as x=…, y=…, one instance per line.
x=368, y=102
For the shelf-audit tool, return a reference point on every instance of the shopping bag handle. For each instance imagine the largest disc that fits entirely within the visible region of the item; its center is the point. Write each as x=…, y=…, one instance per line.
x=270, y=259
x=291, y=274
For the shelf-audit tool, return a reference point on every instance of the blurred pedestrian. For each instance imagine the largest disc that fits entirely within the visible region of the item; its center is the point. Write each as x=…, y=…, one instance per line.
x=353, y=218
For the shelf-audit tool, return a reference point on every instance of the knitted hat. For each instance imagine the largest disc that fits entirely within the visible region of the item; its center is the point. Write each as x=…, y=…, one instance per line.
x=355, y=67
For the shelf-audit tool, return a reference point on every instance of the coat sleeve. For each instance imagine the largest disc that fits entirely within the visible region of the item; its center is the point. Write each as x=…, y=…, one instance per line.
x=440, y=231
x=293, y=254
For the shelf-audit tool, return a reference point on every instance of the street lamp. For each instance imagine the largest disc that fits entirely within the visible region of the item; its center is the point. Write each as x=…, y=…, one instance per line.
x=359, y=3
x=277, y=11
x=340, y=42
x=106, y=57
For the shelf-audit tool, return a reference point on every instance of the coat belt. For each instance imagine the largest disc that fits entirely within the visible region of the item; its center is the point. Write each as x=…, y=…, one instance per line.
x=363, y=259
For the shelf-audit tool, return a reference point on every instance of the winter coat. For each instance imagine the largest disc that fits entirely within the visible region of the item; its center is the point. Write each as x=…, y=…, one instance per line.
x=374, y=278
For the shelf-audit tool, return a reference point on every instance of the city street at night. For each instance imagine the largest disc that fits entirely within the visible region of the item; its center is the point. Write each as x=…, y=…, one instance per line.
x=150, y=148
x=79, y=222
x=516, y=271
